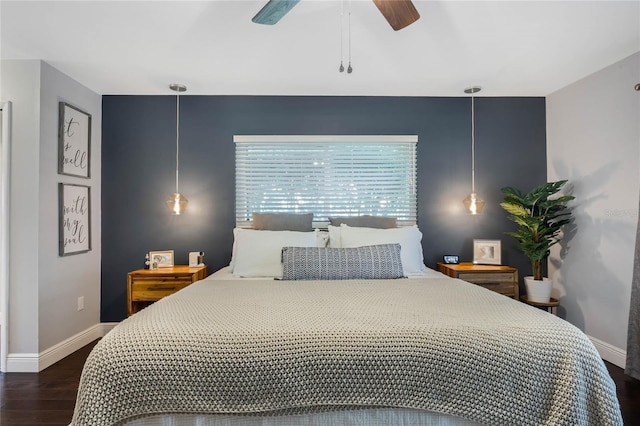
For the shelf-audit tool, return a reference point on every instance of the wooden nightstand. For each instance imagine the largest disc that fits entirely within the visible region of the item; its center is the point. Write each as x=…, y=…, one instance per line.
x=145, y=286
x=501, y=279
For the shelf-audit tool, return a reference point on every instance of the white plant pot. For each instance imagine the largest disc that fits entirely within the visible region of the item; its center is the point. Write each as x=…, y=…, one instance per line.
x=538, y=291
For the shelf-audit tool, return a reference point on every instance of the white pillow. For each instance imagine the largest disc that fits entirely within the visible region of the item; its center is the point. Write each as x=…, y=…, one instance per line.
x=409, y=238
x=258, y=253
x=334, y=237
x=323, y=237
x=322, y=241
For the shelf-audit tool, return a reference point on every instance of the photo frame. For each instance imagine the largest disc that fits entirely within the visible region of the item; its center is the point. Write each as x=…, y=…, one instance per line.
x=74, y=216
x=74, y=141
x=161, y=259
x=487, y=252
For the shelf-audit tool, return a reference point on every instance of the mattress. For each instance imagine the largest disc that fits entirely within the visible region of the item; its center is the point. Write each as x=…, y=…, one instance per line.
x=237, y=349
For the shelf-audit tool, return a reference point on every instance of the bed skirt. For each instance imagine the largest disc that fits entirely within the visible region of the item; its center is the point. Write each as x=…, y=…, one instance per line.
x=364, y=417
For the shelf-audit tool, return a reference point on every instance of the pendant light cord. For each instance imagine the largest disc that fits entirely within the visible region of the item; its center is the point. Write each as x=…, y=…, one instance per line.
x=473, y=145
x=177, y=139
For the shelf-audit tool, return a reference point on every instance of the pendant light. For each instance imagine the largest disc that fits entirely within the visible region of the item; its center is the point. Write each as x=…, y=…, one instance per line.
x=177, y=203
x=473, y=203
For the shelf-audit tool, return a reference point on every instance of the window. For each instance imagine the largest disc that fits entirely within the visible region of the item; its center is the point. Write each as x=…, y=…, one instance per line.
x=327, y=176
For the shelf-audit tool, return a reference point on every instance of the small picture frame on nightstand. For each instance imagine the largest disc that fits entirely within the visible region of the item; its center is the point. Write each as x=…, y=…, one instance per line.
x=487, y=252
x=161, y=259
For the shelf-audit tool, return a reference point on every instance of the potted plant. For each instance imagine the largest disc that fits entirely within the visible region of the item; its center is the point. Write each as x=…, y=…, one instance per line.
x=540, y=219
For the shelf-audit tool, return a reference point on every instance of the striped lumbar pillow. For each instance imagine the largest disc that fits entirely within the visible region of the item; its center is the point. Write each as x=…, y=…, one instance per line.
x=326, y=263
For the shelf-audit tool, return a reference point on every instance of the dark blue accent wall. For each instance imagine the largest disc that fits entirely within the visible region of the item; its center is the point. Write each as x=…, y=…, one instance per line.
x=138, y=169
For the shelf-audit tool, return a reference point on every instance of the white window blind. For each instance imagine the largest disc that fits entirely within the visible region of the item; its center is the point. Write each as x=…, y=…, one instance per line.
x=326, y=176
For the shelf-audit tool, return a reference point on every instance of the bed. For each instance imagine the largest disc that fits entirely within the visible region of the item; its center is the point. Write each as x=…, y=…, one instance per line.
x=422, y=350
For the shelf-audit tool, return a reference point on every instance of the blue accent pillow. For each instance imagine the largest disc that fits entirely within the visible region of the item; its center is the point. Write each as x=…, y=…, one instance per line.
x=328, y=263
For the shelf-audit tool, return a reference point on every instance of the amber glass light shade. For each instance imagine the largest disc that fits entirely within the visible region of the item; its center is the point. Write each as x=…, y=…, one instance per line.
x=177, y=203
x=473, y=203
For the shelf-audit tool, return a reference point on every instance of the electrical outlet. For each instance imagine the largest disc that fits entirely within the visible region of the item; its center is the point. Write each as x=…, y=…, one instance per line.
x=80, y=303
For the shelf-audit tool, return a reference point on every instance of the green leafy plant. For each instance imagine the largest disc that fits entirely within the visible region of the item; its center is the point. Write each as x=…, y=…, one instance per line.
x=539, y=218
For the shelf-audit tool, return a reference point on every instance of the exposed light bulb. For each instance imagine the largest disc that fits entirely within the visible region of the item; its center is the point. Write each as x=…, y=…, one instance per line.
x=177, y=203
x=473, y=203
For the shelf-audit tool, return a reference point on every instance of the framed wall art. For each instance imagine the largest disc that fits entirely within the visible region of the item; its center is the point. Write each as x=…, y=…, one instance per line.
x=74, y=141
x=487, y=252
x=75, y=219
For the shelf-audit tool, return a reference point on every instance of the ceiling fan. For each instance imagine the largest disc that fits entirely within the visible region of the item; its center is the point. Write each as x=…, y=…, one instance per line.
x=399, y=13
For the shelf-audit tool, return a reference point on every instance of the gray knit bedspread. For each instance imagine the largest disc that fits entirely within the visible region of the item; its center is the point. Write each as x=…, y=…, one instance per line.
x=274, y=347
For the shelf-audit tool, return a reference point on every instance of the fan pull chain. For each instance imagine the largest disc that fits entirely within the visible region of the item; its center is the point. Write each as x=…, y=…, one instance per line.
x=349, y=68
x=341, y=69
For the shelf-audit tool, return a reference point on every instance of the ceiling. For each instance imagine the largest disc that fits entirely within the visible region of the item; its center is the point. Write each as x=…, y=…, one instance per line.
x=510, y=48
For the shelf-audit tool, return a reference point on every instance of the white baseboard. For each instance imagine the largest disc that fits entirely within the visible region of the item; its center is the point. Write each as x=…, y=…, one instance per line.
x=615, y=356
x=22, y=363
x=34, y=363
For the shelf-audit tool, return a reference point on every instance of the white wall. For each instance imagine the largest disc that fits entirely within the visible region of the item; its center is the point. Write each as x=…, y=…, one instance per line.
x=43, y=287
x=63, y=279
x=593, y=139
x=21, y=85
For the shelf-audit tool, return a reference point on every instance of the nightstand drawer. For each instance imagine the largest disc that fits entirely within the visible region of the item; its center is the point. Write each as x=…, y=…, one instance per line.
x=156, y=290
x=507, y=288
x=160, y=281
x=488, y=277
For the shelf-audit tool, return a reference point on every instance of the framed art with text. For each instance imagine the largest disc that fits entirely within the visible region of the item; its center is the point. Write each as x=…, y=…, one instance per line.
x=74, y=141
x=75, y=219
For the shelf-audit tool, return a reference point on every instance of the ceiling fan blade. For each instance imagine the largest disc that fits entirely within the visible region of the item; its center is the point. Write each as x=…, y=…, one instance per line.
x=273, y=11
x=399, y=13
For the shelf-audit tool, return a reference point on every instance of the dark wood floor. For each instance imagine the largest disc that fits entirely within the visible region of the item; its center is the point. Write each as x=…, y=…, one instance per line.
x=48, y=398
x=628, y=390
